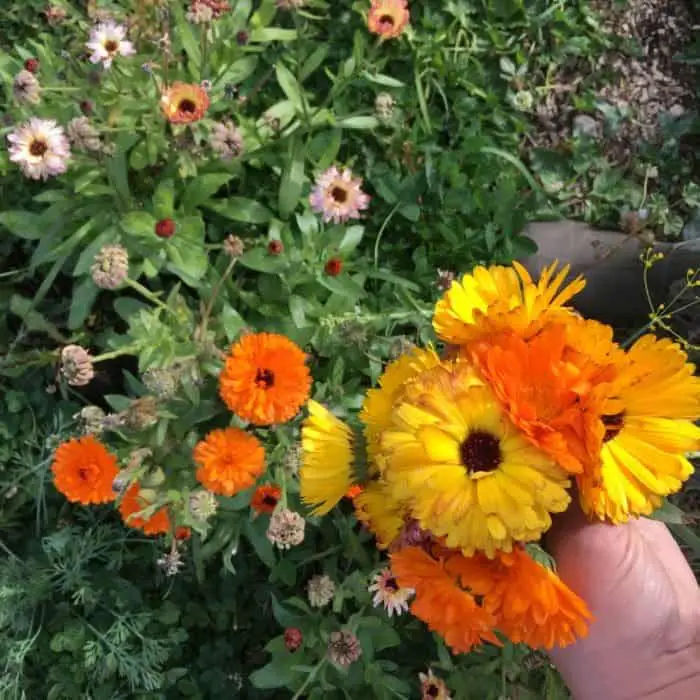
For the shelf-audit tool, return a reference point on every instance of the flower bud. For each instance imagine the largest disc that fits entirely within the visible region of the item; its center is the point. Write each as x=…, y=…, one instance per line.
x=165, y=228
x=111, y=267
x=275, y=247
x=293, y=638
x=32, y=65
x=76, y=365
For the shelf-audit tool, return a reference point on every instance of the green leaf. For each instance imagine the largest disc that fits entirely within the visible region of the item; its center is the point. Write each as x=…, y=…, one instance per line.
x=186, y=36
x=164, y=200
x=344, y=286
x=366, y=122
x=289, y=85
x=264, y=35
x=22, y=224
x=260, y=260
x=202, y=187
x=382, y=79
x=296, y=308
x=313, y=62
x=239, y=70
x=232, y=322
x=284, y=617
x=241, y=209
x=33, y=320
x=255, y=534
x=351, y=239
x=292, y=181
x=83, y=298
x=139, y=223
x=186, y=250
x=279, y=673
x=669, y=513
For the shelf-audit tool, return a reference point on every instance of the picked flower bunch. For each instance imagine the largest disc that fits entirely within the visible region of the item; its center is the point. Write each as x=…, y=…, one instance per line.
x=463, y=459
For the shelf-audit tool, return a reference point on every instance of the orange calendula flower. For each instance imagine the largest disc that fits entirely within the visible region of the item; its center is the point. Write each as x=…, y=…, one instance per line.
x=229, y=460
x=265, y=379
x=439, y=602
x=496, y=299
x=184, y=103
x=83, y=471
x=266, y=498
x=132, y=503
x=530, y=603
x=648, y=425
x=544, y=383
x=388, y=18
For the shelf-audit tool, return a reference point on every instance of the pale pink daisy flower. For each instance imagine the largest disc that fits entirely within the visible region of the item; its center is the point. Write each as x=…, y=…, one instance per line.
x=338, y=196
x=40, y=148
x=388, y=593
x=108, y=40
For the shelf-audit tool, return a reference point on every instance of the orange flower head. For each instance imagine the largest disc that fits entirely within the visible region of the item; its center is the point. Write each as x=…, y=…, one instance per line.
x=388, y=18
x=353, y=492
x=133, y=502
x=492, y=300
x=546, y=385
x=83, y=471
x=265, y=379
x=266, y=498
x=439, y=601
x=530, y=603
x=184, y=103
x=229, y=460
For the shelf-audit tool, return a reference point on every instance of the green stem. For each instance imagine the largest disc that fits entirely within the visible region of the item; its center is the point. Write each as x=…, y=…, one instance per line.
x=148, y=294
x=115, y=353
x=310, y=678
x=381, y=233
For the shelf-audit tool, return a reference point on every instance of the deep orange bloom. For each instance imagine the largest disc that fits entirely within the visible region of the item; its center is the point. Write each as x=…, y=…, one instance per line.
x=353, y=492
x=229, y=460
x=388, y=18
x=265, y=379
x=183, y=533
x=266, y=498
x=83, y=471
x=184, y=103
x=440, y=602
x=133, y=502
x=546, y=385
x=530, y=603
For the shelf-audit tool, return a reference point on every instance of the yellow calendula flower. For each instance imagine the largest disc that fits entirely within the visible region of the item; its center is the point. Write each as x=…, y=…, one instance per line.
x=327, y=459
x=648, y=423
x=495, y=299
x=469, y=474
x=381, y=514
x=379, y=403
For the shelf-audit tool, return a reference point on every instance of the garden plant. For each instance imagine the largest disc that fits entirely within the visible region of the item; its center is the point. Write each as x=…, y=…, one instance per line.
x=281, y=413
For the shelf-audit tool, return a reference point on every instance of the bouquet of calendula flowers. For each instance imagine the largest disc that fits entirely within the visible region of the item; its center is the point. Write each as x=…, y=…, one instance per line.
x=463, y=459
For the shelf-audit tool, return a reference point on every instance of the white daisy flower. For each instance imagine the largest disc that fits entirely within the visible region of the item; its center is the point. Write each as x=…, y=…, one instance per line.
x=40, y=148
x=388, y=593
x=108, y=40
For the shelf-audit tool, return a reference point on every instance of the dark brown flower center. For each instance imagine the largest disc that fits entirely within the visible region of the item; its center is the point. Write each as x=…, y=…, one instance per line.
x=38, y=147
x=433, y=691
x=387, y=21
x=613, y=425
x=265, y=378
x=480, y=452
x=188, y=106
x=269, y=500
x=391, y=584
x=111, y=46
x=339, y=194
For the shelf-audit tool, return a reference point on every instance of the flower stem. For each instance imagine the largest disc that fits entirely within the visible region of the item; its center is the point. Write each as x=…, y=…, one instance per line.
x=310, y=678
x=148, y=294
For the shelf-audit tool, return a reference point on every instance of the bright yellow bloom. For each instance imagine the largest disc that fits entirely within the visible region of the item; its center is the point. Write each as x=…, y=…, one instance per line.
x=379, y=403
x=384, y=516
x=649, y=413
x=326, y=472
x=469, y=474
x=495, y=299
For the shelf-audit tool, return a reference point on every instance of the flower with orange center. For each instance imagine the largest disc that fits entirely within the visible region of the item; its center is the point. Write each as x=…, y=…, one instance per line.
x=132, y=503
x=440, y=602
x=648, y=426
x=530, y=603
x=83, y=471
x=229, y=460
x=265, y=379
x=184, y=103
x=496, y=299
x=388, y=18
x=266, y=498
x=544, y=383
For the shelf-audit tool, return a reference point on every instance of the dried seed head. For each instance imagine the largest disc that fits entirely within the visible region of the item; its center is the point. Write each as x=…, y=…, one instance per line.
x=203, y=505
x=143, y=413
x=320, y=590
x=163, y=382
x=171, y=563
x=76, y=365
x=92, y=419
x=26, y=88
x=286, y=529
x=344, y=648
x=233, y=246
x=111, y=267
x=384, y=105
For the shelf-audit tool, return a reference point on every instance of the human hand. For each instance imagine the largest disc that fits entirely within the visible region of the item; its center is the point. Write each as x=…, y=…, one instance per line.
x=644, y=641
